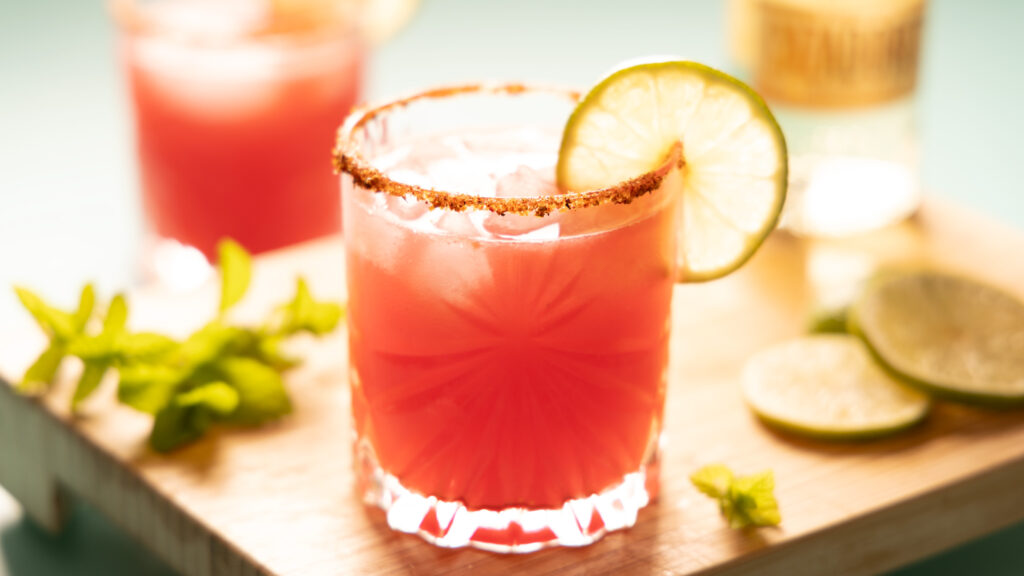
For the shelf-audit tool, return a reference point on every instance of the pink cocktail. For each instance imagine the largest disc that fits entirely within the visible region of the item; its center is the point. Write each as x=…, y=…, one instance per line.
x=508, y=342
x=235, y=103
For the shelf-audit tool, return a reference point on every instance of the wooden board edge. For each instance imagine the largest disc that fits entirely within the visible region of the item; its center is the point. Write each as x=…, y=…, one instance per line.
x=897, y=535
x=46, y=465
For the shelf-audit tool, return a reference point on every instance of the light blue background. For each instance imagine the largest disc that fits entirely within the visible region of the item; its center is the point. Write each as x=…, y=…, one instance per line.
x=69, y=212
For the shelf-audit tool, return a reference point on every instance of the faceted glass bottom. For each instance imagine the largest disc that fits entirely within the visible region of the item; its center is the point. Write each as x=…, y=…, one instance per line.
x=511, y=530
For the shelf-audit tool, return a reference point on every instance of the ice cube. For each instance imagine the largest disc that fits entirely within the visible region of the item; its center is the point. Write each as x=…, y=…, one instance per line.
x=465, y=224
x=406, y=208
x=526, y=182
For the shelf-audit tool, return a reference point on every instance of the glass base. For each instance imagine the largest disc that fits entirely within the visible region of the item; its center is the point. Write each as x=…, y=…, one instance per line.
x=511, y=530
x=173, y=265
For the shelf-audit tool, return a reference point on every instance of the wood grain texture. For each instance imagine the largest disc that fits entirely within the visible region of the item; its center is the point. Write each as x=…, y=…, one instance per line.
x=281, y=499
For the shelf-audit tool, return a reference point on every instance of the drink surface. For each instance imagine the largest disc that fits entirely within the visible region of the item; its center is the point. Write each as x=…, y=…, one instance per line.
x=231, y=125
x=505, y=361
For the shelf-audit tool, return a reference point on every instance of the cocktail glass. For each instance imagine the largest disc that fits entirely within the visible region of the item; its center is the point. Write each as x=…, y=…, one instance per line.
x=508, y=342
x=235, y=102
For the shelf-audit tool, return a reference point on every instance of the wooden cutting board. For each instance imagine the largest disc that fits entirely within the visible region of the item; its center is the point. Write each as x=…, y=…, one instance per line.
x=281, y=500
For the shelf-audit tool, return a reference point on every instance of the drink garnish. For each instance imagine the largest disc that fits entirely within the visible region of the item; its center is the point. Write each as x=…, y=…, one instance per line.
x=220, y=374
x=733, y=155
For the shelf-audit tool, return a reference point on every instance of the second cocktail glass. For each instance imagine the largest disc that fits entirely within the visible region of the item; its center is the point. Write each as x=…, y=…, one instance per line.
x=508, y=341
x=235, y=102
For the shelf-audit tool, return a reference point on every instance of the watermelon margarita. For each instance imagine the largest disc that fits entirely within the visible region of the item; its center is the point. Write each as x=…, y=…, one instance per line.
x=234, y=107
x=508, y=342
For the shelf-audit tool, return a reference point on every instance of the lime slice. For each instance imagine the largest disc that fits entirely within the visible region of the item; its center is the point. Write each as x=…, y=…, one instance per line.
x=828, y=386
x=951, y=336
x=733, y=155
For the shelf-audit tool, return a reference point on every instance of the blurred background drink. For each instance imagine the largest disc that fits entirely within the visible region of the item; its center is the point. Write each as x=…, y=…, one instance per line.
x=841, y=78
x=235, y=103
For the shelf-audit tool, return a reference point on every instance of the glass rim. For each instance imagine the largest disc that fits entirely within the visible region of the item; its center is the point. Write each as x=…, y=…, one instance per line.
x=131, y=20
x=348, y=159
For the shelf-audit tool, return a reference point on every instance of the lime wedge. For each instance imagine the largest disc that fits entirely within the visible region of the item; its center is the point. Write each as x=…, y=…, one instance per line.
x=951, y=336
x=733, y=155
x=828, y=386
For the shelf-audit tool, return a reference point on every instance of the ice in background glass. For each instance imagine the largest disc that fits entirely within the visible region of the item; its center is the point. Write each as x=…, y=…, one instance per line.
x=235, y=102
x=508, y=343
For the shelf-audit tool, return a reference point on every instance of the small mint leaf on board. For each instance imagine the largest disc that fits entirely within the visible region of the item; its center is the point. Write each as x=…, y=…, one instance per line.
x=743, y=501
x=235, y=272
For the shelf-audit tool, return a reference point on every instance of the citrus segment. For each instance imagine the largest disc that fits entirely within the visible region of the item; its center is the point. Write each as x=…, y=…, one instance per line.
x=952, y=336
x=733, y=155
x=828, y=386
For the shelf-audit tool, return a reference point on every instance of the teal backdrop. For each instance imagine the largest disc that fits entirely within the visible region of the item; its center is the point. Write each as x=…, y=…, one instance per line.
x=69, y=209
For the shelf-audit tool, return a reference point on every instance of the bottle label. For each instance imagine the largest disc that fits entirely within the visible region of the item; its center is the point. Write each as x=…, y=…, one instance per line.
x=812, y=54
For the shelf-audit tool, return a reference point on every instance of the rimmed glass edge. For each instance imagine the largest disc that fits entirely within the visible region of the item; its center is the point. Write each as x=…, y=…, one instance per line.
x=348, y=158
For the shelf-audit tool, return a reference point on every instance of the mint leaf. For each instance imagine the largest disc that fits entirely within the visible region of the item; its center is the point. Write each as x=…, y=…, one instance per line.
x=207, y=344
x=57, y=324
x=86, y=301
x=117, y=315
x=148, y=388
x=189, y=414
x=235, y=272
x=744, y=501
x=218, y=398
x=268, y=351
x=261, y=392
x=40, y=374
x=755, y=502
x=176, y=425
x=92, y=376
x=713, y=480
x=144, y=346
x=304, y=313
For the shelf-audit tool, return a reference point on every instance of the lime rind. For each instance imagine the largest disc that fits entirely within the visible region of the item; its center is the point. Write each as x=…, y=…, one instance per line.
x=952, y=336
x=829, y=387
x=735, y=167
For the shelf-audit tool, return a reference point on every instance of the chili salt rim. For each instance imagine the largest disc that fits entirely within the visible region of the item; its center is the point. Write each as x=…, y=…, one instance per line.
x=347, y=158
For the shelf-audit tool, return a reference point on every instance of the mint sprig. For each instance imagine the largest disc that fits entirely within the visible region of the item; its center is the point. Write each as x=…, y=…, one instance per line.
x=743, y=501
x=220, y=374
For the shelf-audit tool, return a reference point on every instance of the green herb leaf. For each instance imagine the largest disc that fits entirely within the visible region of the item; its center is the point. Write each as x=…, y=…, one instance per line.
x=148, y=388
x=304, y=313
x=92, y=376
x=261, y=392
x=85, y=305
x=176, y=425
x=144, y=346
x=268, y=350
x=117, y=315
x=40, y=374
x=713, y=480
x=57, y=324
x=744, y=501
x=218, y=398
x=208, y=344
x=235, y=272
